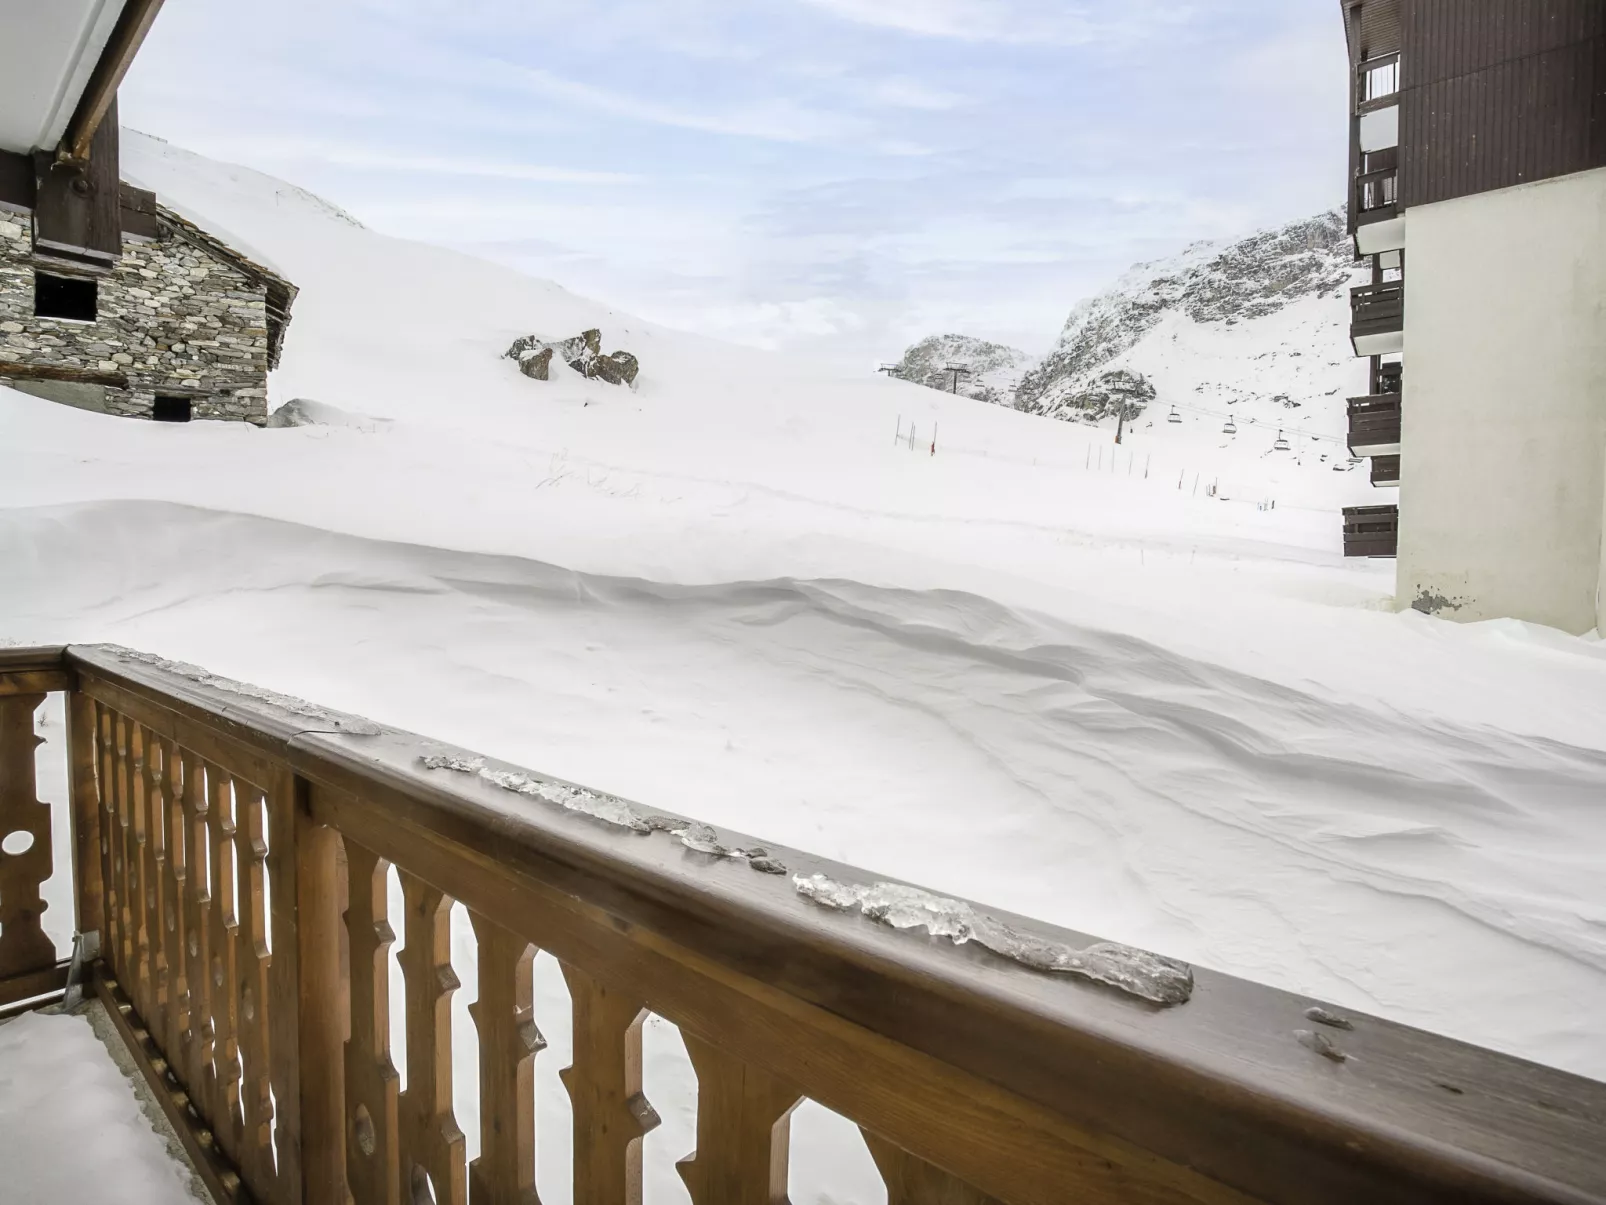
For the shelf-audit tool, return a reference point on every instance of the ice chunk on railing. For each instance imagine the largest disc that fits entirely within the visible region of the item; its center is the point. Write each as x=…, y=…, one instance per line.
x=693, y=834
x=1151, y=976
x=340, y=721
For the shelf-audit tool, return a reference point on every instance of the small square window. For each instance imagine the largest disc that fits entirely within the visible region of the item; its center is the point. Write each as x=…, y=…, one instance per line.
x=171, y=410
x=64, y=297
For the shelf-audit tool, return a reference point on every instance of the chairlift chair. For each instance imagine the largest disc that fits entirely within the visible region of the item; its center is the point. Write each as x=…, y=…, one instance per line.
x=1229, y=427
x=1281, y=445
x=1173, y=417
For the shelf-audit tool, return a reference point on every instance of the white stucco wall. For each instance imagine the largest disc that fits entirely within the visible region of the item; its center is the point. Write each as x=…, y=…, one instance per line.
x=1503, y=441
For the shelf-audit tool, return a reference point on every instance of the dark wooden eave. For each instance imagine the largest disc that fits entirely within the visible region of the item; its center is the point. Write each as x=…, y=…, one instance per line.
x=1372, y=27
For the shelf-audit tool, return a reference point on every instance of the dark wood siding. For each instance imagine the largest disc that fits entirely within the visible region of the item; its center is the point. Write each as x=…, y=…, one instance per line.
x=1377, y=25
x=1499, y=92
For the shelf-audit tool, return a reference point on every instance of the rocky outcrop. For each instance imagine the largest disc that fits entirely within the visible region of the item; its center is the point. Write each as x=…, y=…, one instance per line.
x=583, y=353
x=995, y=369
x=1120, y=392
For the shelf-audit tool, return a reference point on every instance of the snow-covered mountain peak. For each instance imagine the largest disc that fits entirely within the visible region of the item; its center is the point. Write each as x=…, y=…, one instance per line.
x=1209, y=283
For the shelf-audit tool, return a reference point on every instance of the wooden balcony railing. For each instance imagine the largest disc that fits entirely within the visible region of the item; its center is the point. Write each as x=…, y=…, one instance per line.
x=1377, y=309
x=1374, y=422
x=230, y=854
x=1377, y=82
x=1376, y=195
x=1371, y=531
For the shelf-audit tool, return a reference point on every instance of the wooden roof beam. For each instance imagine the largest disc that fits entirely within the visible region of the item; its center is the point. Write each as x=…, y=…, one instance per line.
x=126, y=38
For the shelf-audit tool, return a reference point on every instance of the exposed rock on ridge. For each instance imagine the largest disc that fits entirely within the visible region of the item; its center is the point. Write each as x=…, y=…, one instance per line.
x=996, y=370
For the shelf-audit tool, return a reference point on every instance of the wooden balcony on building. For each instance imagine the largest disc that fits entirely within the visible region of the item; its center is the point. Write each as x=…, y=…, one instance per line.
x=231, y=860
x=1386, y=470
x=1376, y=219
x=1371, y=531
x=1377, y=317
x=1374, y=425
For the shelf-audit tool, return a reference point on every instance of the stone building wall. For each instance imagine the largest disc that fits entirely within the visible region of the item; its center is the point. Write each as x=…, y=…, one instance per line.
x=174, y=318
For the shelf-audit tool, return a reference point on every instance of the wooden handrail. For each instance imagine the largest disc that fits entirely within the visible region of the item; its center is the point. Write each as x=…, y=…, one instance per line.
x=970, y=1072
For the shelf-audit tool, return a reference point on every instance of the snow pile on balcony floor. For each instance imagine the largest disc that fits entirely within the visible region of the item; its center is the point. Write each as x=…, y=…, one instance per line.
x=71, y=1128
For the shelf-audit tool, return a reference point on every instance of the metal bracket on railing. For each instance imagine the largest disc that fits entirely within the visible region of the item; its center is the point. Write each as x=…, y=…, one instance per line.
x=85, y=949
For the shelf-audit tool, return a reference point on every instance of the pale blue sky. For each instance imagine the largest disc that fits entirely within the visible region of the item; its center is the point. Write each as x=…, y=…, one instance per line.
x=837, y=176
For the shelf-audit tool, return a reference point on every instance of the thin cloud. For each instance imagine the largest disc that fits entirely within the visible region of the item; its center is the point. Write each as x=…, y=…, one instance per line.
x=1008, y=21
x=351, y=156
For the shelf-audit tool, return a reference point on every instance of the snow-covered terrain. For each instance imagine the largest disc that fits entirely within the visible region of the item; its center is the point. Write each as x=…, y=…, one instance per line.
x=1029, y=668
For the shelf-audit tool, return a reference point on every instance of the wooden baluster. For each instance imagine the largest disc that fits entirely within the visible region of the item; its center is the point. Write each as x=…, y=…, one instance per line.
x=251, y=966
x=197, y=890
x=123, y=851
x=88, y=871
x=24, y=947
x=318, y=1022
x=223, y=1085
x=170, y=958
x=504, y=1015
x=373, y=1167
x=283, y=1035
x=106, y=748
x=431, y=1143
x=743, y=1130
x=912, y=1181
x=611, y=1116
x=144, y=882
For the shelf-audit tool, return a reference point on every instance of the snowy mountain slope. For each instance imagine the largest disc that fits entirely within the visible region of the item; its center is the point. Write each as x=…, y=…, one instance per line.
x=1254, y=330
x=1021, y=668
x=995, y=371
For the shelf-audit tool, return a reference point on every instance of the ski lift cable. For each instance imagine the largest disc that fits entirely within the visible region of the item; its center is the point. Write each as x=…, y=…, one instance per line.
x=1321, y=435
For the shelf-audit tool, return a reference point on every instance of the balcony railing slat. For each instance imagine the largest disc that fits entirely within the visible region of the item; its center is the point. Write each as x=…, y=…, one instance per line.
x=254, y=1002
x=611, y=1115
x=314, y=1004
x=743, y=1129
x=223, y=1084
x=167, y=780
x=24, y=945
x=373, y=1128
x=144, y=887
x=197, y=943
x=432, y=1143
x=84, y=807
x=504, y=1017
x=110, y=834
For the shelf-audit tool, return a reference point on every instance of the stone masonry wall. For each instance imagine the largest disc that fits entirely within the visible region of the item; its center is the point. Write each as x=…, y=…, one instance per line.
x=173, y=319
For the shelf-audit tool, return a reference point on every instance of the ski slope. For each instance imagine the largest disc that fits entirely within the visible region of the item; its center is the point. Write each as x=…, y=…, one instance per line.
x=1078, y=692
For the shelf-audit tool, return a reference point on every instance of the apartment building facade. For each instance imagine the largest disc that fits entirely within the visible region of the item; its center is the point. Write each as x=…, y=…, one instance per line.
x=1478, y=197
